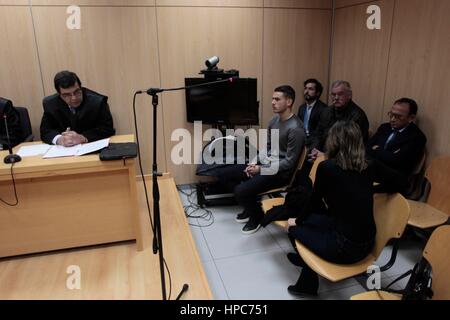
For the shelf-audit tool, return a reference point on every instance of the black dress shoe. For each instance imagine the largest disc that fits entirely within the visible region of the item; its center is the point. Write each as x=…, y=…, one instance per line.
x=295, y=259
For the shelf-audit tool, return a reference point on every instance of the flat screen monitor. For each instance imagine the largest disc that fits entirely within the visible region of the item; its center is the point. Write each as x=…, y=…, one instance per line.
x=229, y=103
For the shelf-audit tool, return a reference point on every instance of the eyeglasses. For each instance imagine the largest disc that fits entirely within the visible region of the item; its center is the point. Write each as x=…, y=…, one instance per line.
x=395, y=115
x=77, y=93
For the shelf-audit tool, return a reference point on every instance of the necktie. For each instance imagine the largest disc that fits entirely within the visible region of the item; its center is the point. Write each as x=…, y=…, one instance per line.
x=73, y=110
x=306, y=119
x=390, y=138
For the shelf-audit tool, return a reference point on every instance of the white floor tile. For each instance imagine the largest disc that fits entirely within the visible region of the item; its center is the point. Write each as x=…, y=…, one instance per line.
x=225, y=239
x=202, y=247
x=262, y=276
x=280, y=236
x=215, y=282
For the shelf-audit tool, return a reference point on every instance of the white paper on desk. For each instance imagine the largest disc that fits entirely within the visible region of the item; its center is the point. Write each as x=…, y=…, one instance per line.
x=78, y=150
x=92, y=146
x=33, y=150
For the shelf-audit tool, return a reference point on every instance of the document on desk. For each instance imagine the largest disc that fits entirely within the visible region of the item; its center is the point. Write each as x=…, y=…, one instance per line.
x=33, y=150
x=78, y=150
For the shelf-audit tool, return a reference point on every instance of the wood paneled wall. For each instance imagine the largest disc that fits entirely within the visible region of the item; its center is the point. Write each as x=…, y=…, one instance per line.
x=408, y=57
x=128, y=45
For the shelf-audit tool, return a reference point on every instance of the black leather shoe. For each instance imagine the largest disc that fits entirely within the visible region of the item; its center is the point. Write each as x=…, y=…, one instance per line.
x=251, y=227
x=295, y=259
x=301, y=291
x=242, y=217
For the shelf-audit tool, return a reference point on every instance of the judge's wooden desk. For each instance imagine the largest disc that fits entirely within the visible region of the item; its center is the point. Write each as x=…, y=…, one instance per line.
x=68, y=202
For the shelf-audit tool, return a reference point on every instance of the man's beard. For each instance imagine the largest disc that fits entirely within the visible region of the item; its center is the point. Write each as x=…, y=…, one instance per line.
x=308, y=98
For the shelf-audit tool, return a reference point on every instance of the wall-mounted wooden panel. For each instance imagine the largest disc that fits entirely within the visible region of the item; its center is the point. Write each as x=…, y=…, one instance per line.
x=419, y=66
x=114, y=53
x=304, y=4
x=360, y=56
x=14, y=2
x=127, y=3
x=211, y=3
x=347, y=3
x=20, y=78
x=187, y=37
x=296, y=47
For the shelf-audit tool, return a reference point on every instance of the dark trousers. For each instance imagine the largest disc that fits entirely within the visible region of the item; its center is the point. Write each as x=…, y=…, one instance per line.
x=319, y=235
x=246, y=189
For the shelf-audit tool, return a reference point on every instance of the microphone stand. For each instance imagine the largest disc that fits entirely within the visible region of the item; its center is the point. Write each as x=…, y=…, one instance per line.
x=157, y=236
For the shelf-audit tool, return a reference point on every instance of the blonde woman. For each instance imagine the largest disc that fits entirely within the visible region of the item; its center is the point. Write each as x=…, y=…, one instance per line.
x=341, y=226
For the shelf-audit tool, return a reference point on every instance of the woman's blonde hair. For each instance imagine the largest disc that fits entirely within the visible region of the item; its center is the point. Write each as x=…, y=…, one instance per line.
x=345, y=145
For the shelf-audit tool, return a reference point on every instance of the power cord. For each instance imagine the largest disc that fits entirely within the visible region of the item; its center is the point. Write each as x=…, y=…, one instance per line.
x=193, y=210
x=15, y=190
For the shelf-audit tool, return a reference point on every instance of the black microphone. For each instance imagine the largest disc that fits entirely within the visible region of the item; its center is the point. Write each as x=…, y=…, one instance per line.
x=11, y=157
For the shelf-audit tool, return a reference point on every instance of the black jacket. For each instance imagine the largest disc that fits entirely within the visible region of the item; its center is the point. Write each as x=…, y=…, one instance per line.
x=93, y=118
x=403, y=152
x=351, y=112
x=314, y=118
x=13, y=122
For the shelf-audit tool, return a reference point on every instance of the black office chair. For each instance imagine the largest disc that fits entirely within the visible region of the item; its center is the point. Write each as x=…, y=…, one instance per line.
x=25, y=124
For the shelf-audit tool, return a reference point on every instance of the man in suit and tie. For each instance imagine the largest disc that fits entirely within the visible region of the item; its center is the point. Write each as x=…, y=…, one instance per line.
x=311, y=110
x=75, y=114
x=399, y=143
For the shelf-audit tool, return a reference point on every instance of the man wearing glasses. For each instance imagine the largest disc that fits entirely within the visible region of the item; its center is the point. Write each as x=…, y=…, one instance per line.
x=399, y=143
x=342, y=109
x=75, y=114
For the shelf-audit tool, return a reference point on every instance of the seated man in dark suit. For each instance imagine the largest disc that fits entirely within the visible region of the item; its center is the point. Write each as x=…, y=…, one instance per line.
x=342, y=109
x=399, y=143
x=310, y=112
x=75, y=114
x=9, y=114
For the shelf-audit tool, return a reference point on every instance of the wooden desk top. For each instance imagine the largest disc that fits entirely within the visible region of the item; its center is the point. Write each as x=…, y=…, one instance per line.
x=37, y=166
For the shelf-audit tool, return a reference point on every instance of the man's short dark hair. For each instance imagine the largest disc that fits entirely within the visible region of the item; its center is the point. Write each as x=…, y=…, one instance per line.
x=66, y=79
x=288, y=92
x=319, y=87
x=411, y=103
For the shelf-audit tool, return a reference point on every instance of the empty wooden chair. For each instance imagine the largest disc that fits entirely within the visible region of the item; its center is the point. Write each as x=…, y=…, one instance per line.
x=436, y=210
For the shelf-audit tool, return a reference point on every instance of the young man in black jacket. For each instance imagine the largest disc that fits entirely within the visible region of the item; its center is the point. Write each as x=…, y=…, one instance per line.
x=75, y=114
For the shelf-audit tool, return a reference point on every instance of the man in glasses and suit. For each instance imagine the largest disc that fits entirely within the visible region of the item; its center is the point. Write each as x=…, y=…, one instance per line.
x=75, y=114
x=399, y=143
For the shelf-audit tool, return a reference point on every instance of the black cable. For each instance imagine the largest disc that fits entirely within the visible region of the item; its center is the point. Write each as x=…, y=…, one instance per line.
x=15, y=190
x=193, y=207
x=145, y=185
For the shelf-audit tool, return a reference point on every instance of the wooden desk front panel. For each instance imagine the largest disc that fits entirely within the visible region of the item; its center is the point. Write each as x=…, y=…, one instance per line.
x=66, y=211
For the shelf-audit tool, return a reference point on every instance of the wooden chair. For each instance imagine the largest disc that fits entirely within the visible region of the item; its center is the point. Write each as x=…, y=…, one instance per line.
x=391, y=213
x=436, y=253
x=436, y=210
x=268, y=204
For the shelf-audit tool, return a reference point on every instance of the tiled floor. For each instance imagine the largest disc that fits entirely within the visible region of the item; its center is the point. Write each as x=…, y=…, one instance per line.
x=246, y=267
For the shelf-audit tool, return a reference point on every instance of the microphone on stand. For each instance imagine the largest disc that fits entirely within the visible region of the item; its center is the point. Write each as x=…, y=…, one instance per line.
x=153, y=91
x=11, y=157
